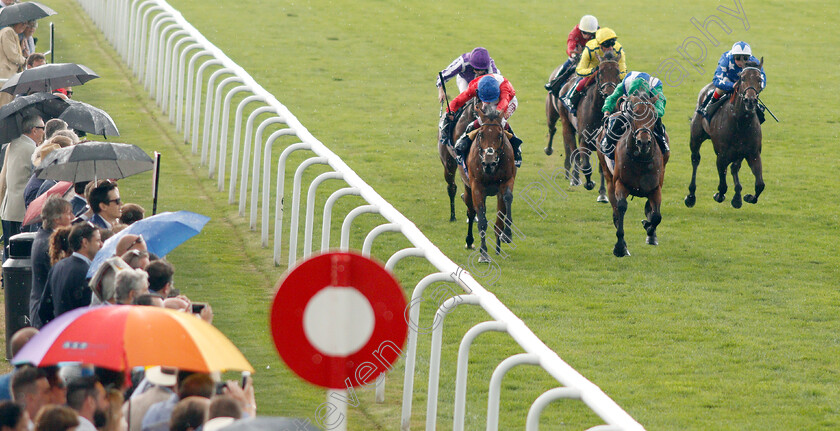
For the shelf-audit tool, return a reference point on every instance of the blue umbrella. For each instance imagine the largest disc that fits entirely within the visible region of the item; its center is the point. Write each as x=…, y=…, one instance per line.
x=162, y=233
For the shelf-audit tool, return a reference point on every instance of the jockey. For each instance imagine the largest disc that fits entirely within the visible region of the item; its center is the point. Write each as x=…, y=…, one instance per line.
x=605, y=42
x=467, y=67
x=578, y=37
x=728, y=72
x=634, y=83
x=491, y=90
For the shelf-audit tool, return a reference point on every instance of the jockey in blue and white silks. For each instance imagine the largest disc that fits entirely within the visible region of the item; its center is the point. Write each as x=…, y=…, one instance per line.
x=728, y=72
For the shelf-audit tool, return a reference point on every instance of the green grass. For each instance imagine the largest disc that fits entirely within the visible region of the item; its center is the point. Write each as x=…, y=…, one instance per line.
x=731, y=323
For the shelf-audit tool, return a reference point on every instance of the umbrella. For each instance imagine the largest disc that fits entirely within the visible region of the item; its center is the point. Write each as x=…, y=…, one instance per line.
x=120, y=337
x=22, y=12
x=48, y=78
x=90, y=161
x=270, y=424
x=162, y=233
x=47, y=105
x=89, y=119
x=33, y=212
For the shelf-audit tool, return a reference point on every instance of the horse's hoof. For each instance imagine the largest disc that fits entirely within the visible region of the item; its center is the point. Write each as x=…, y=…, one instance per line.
x=589, y=185
x=574, y=181
x=719, y=197
x=689, y=201
x=484, y=259
x=602, y=198
x=750, y=199
x=736, y=201
x=651, y=239
x=452, y=218
x=618, y=252
x=549, y=151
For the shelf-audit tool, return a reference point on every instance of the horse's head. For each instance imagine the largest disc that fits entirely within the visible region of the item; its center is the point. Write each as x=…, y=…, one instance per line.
x=749, y=84
x=608, y=75
x=489, y=140
x=642, y=118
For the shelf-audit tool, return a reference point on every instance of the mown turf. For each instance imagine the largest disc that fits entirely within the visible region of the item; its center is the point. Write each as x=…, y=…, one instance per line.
x=729, y=324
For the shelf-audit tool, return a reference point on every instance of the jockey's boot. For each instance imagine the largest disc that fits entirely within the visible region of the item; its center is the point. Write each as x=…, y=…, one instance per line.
x=572, y=98
x=462, y=147
x=516, y=143
x=446, y=130
x=556, y=84
x=703, y=109
x=661, y=137
x=613, y=130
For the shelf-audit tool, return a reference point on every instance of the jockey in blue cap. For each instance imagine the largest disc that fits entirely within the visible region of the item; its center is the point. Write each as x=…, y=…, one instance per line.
x=494, y=90
x=728, y=72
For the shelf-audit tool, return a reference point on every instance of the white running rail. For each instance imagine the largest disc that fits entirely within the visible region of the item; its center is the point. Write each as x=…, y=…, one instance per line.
x=178, y=65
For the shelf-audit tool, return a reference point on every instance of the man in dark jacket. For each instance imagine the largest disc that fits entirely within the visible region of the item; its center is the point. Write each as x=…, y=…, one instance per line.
x=67, y=284
x=56, y=213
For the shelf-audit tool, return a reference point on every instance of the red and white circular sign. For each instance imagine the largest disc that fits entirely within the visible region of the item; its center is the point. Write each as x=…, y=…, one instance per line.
x=339, y=316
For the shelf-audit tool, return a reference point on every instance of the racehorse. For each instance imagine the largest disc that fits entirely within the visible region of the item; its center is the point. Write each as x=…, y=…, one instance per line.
x=585, y=124
x=639, y=169
x=735, y=132
x=447, y=154
x=491, y=172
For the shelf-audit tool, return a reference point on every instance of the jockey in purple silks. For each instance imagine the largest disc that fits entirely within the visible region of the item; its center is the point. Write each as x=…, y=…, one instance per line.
x=467, y=67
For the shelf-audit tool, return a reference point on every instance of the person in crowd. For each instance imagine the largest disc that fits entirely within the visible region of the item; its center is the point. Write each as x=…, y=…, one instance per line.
x=58, y=390
x=35, y=59
x=56, y=213
x=19, y=339
x=136, y=259
x=159, y=415
x=31, y=389
x=189, y=414
x=27, y=38
x=13, y=417
x=103, y=282
x=34, y=185
x=12, y=59
x=78, y=200
x=17, y=168
x=57, y=418
x=578, y=37
x=728, y=72
x=605, y=42
x=130, y=284
x=149, y=300
x=158, y=385
x=130, y=242
x=132, y=213
x=106, y=204
x=113, y=417
x=243, y=396
x=60, y=244
x=66, y=282
x=493, y=90
x=223, y=411
x=54, y=125
x=87, y=397
x=160, y=277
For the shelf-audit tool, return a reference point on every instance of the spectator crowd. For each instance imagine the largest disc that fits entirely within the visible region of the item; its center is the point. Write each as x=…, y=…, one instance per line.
x=72, y=230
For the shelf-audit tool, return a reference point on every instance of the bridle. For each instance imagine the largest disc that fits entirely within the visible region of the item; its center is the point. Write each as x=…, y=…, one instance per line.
x=743, y=91
x=489, y=151
x=637, y=133
x=603, y=85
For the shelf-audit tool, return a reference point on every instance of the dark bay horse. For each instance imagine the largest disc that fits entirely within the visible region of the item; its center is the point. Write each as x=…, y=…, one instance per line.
x=736, y=135
x=585, y=124
x=491, y=173
x=447, y=154
x=639, y=170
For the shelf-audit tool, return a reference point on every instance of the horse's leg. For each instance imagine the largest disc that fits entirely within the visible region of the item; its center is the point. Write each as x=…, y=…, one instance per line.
x=736, y=200
x=697, y=138
x=449, y=170
x=467, y=197
x=601, y=191
x=551, y=117
x=586, y=165
x=722, y=164
x=654, y=216
x=620, y=249
x=499, y=226
x=755, y=166
x=570, y=146
x=478, y=199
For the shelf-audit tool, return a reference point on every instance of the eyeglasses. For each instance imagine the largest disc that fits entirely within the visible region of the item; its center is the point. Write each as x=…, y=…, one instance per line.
x=608, y=43
x=117, y=200
x=481, y=71
x=40, y=127
x=742, y=57
x=588, y=34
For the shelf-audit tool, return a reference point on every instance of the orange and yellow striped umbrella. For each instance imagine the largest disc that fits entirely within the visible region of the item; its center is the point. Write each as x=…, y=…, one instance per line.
x=124, y=336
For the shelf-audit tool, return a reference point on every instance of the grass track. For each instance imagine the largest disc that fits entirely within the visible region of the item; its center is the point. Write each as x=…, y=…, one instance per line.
x=729, y=324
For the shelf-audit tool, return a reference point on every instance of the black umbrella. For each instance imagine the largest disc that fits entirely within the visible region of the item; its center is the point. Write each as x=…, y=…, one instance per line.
x=89, y=119
x=48, y=77
x=23, y=12
x=47, y=105
x=90, y=161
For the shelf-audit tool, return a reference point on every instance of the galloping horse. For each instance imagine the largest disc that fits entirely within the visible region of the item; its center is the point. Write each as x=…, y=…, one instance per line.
x=447, y=154
x=736, y=135
x=585, y=124
x=491, y=172
x=639, y=170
